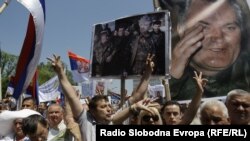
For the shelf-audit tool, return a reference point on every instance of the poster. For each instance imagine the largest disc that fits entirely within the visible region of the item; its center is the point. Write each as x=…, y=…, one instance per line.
x=212, y=37
x=121, y=46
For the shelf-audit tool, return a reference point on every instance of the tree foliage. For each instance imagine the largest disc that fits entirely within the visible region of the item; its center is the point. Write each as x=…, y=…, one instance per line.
x=8, y=67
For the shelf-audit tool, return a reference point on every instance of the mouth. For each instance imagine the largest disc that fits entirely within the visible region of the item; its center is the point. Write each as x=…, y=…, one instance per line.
x=109, y=115
x=217, y=49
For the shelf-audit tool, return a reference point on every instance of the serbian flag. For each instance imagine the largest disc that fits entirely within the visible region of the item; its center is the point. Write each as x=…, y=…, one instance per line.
x=31, y=50
x=33, y=88
x=79, y=67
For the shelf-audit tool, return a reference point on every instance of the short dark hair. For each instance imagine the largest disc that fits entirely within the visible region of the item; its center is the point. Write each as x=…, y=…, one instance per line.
x=158, y=22
x=171, y=103
x=29, y=126
x=95, y=99
x=30, y=98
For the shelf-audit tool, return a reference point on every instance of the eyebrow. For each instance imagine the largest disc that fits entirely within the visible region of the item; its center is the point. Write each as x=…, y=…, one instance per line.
x=230, y=23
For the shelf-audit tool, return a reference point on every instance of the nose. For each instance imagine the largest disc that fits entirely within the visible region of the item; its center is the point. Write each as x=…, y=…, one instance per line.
x=240, y=108
x=215, y=34
x=108, y=108
x=171, y=115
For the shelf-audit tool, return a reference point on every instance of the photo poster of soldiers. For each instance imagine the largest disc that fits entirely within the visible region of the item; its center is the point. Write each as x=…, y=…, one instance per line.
x=121, y=46
x=219, y=31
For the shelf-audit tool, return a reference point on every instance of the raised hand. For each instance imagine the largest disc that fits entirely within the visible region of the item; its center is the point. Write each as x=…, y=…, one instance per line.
x=201, y=82
x=56, y=63
x=149, y=63
x=185, y=48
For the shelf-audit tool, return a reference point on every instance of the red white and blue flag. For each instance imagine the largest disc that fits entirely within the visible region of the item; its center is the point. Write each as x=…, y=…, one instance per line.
x=32, y=89
x=79, y=67
x=32, y=46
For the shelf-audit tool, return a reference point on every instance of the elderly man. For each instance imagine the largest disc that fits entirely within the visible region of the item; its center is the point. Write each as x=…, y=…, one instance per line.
x=11, y=124
x=238, y=105
x=57, y=127
x=214, y=112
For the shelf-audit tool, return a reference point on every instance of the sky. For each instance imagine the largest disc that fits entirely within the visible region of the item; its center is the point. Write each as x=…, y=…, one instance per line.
x=68, y=24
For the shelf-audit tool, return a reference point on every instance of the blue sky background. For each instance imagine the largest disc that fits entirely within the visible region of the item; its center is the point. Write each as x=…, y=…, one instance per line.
x=68, y=24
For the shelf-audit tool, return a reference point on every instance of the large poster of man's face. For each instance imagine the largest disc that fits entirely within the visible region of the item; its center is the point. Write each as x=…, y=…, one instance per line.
x=212, y=37
x=121, y=46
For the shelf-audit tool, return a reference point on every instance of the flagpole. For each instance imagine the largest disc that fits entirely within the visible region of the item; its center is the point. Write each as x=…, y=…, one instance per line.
x=0, y=83
x=123, y=90
x=1, y=71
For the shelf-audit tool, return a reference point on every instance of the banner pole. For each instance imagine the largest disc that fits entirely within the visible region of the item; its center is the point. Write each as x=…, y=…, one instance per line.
x=123, y=90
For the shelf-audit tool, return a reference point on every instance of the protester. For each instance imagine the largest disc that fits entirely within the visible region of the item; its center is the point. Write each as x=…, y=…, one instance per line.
x=29, y=103
x=36, y=128
x=213, y=112
x=10, y=122
x=238, y=105
x=171, y=110
x=99, y=107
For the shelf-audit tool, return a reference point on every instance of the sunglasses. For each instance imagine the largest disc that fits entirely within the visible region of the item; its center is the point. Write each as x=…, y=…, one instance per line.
x=147, y=118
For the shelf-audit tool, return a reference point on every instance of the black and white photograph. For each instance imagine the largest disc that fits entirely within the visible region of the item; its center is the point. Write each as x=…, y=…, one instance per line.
x=121, y=46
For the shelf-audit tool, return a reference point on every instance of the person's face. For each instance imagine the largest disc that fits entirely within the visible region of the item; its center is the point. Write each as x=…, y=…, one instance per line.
x=156, y=27
x=41, y=133
x=18, y=127
x=172, y=115
x=144, y=26
x=221, y=42
x=42, y=107
x=149, y=119
x=239, y=109
x=104, y=38
x=103, y=111
x=120, y=31
x=55, y=115
x=28, y=104
x=213, y=115
x=4, y=106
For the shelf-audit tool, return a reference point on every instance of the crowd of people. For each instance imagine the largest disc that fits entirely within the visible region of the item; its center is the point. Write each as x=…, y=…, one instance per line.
x=74, y=121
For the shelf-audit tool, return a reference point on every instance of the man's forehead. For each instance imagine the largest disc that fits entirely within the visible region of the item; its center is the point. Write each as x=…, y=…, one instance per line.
x=240, y=97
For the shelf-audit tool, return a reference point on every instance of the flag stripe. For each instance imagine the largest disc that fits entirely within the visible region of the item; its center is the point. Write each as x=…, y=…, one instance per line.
x=76, y=57
x=79, y=66
x=31, y=50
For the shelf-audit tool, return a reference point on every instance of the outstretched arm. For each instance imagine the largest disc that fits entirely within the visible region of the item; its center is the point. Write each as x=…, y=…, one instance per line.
x=122, y=115
x=67, y=88
x=195, y=103
x=139, y=92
